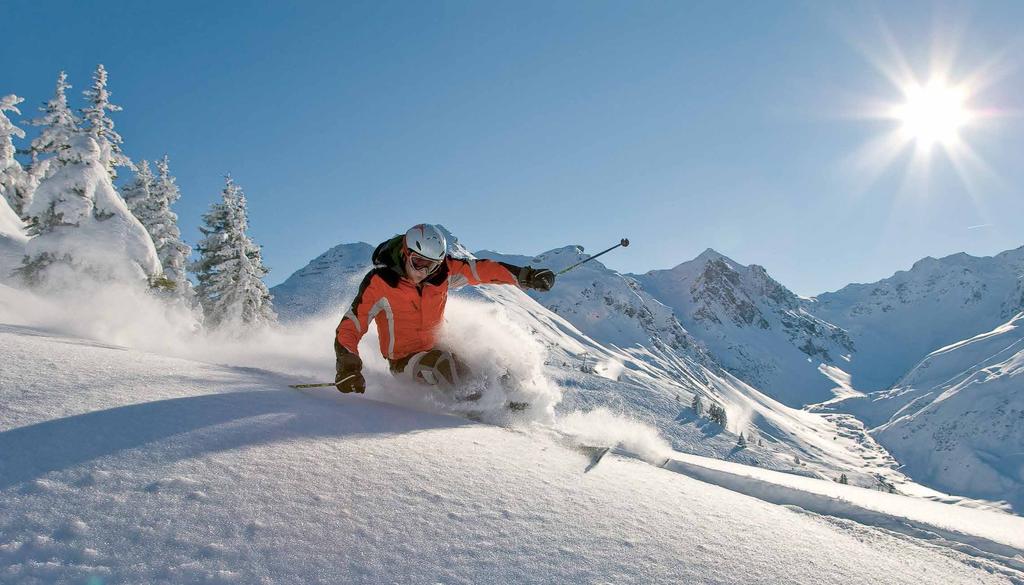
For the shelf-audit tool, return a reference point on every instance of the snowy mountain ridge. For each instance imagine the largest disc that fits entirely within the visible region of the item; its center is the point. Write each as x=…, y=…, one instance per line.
x=331, y=276
x=895, y=322
x=753, y=325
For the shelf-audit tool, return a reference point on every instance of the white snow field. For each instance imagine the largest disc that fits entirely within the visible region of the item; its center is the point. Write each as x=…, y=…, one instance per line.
x=119, y=465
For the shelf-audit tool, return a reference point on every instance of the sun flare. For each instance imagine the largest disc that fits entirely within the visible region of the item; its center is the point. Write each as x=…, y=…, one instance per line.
x=933, y=113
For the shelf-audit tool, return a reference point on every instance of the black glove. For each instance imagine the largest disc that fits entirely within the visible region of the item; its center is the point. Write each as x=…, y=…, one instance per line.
x=540, y=279
x=349, y=377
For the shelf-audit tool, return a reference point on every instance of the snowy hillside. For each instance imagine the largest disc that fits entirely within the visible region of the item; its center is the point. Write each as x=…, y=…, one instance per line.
x=896, y=322
x=604, y=304
x=754, y=326
x=955, y=421
x=12, y=241
x=323, y=285
x=171, y=470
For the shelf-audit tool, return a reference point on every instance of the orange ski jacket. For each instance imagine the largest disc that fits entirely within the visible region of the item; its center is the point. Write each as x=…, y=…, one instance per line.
x=408, y=316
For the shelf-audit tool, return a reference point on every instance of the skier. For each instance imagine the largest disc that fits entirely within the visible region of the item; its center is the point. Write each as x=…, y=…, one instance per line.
x=405, y=293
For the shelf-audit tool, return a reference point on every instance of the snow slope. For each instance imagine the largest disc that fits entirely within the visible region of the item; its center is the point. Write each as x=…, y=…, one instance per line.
x=896, y=322
x=324, y=285
x=956, y=421
x=657, y=386
x=120, y=466
x=12, y=240
x=604, y=304
x=754, y=326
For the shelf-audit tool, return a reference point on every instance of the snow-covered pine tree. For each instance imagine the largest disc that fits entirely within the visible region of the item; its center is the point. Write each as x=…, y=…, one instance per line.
x=83, y=227
x=698, y=405
x=16, y=185
x=58, y=125
x=138, y=193
x=717, y=414
x=843, y=479
x=161, y=192
x=100, y=127
x=230, y=267
x=742, y=442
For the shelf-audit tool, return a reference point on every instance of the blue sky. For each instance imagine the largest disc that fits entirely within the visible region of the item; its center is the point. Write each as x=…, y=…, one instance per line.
x=525, y=126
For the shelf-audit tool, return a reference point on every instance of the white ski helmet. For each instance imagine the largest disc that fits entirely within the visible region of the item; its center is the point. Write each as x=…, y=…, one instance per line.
x=427, y=241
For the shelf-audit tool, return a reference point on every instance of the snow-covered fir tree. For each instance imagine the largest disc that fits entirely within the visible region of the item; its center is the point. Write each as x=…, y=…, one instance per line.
x=100, y=127
x=742, y=442
x=83, y=227
x=717, y=414
x=172, y=251
x=230, y=267
x=149, y=198
x=16, y=185
x=698, y=405
x=138, y=194
x=58, y=125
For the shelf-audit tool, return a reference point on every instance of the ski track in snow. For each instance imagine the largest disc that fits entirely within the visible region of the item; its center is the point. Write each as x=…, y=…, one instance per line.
x=118, y=466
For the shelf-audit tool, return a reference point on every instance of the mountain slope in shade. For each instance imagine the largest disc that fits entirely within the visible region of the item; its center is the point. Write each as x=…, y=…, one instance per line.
x=896, y=322
x=956, y=421
x=754, y=326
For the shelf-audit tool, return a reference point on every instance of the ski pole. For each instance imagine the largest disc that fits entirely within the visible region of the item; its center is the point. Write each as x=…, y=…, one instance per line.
x=322, y=384
x=624, y=242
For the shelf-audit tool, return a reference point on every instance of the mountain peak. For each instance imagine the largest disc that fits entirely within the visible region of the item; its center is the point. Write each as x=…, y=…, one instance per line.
x=710, y=254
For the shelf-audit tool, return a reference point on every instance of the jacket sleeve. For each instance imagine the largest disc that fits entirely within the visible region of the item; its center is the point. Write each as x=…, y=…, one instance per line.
x=357, y=319
x=473, y=272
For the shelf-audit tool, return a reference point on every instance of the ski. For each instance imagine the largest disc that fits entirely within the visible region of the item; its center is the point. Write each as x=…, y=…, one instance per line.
x=596, y=455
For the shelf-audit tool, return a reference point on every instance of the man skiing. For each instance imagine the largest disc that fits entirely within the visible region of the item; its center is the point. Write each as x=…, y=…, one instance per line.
x=405, y=293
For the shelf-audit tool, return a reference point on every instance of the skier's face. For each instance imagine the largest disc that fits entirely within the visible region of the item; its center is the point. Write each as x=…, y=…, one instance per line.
x=418, y=268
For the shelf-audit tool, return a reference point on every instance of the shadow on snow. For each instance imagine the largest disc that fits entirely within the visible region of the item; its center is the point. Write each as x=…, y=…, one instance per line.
x=195, y=425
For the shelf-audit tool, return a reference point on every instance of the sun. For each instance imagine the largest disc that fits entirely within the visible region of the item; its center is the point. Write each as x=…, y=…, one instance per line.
x=933, y=113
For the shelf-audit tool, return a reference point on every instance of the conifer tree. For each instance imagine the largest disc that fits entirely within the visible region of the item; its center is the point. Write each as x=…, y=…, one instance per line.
x=16, y=186
x=717, y=414
x=138, y=194
x=100, y=127
x=82, y=226
x=230, y=267
x=58, y=125
x=742, y=442
x=698, y=405
x=162, y=225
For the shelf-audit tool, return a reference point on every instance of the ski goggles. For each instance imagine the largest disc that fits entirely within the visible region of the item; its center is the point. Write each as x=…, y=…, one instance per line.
x=422, y=262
